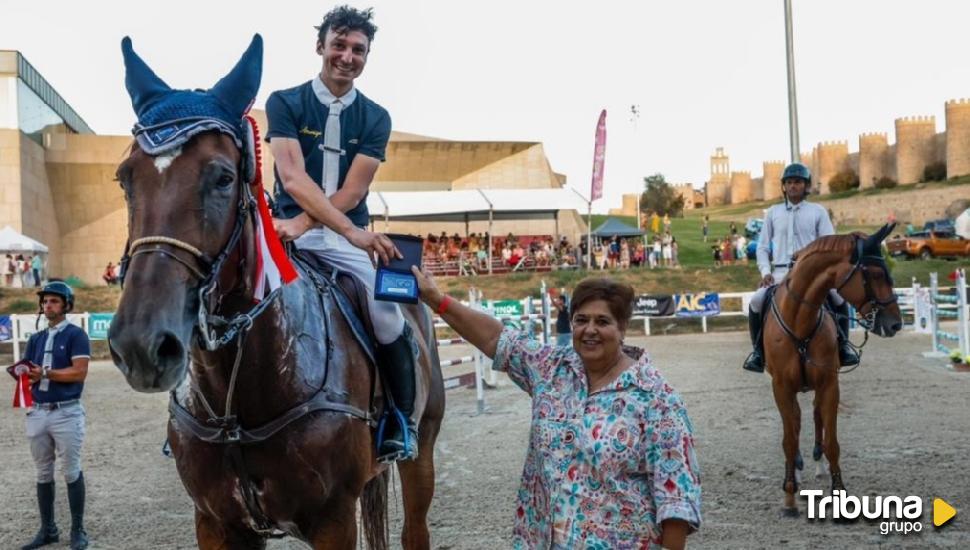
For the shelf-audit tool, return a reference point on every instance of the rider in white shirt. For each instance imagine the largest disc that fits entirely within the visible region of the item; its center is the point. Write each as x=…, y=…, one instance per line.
x=789, y=227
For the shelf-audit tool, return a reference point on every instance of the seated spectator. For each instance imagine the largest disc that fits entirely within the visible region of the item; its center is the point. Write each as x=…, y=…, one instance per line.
x=110, y=275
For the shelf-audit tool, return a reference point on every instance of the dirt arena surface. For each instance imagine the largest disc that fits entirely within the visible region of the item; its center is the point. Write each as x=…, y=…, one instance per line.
x=904, y=430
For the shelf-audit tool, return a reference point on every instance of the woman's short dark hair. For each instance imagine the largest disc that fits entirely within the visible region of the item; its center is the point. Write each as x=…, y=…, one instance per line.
x=618, y=297
x=344, y=19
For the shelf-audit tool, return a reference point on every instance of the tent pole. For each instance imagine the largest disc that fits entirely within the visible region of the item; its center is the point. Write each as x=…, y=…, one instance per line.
x=555, y=216
x=490, y=232
x=589, y=235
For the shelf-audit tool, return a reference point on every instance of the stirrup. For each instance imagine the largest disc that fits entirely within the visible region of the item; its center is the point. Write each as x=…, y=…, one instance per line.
x=402, y=454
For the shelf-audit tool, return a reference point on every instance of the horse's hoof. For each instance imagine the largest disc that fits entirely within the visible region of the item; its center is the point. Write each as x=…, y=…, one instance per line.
x=789, y=512
x=817, y=453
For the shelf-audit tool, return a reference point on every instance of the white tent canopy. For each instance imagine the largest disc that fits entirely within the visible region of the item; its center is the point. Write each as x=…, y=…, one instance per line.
x=12, y=241
x=405, y=204
x=962, y=224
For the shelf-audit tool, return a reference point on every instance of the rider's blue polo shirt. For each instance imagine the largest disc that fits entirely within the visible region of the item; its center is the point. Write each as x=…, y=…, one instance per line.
x=70, y=342
x=298, y=113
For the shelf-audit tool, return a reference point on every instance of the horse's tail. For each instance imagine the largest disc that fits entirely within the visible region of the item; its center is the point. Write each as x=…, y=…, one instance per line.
x=373, y=511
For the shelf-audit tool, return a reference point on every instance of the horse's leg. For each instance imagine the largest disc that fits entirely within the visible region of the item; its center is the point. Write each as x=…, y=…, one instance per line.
x=817, y=450
x=212, y=534
x=338, y=529
x=829, y=410
x=783, y=399
x=417, y=488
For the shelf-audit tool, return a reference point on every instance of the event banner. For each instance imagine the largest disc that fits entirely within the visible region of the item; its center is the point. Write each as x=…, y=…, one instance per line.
x=508, y=308
x=6, y=328
x=98, y=325
x=653, y=305
x=697, y=305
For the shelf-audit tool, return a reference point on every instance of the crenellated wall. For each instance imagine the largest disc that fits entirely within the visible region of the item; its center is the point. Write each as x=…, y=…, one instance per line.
x=874, y=159
x=772, y=170
x=741, y=187
x=915, y=147
x=831, y=157
x=957, y=137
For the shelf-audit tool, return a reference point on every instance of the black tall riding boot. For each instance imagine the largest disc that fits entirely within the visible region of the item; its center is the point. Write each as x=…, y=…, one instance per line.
x=847, y=354
x=755, y=362
x=75, y=498
x=396, y=361
x=48, y=532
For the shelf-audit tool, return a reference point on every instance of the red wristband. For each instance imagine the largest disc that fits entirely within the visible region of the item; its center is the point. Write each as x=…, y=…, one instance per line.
x=443, y=306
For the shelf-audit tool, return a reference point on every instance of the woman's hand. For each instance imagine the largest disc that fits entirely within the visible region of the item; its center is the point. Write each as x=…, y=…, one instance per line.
x=427, y=288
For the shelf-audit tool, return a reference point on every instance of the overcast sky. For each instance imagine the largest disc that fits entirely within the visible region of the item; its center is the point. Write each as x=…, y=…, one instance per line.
x=703, y=73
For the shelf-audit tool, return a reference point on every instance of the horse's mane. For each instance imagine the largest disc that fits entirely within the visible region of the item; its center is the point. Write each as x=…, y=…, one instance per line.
x=830, y=243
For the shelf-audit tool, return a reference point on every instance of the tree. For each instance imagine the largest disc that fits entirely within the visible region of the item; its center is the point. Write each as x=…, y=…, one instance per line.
x=658, y=196
x=844, y=181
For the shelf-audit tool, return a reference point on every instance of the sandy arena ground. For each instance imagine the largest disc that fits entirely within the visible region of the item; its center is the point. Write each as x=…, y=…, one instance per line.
x=904, y=430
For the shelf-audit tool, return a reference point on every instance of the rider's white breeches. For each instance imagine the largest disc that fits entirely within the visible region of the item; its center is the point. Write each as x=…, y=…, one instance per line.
x=386, y=316
x=758, y=299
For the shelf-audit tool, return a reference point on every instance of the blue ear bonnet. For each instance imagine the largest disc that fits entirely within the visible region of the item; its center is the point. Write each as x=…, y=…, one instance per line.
x=168, y=118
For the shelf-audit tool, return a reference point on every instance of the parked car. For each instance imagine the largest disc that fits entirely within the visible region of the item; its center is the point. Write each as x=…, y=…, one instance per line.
x=929, y=244
x=945, y=226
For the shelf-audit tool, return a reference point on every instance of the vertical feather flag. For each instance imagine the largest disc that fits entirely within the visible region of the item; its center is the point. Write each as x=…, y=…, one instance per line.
x=599, y=158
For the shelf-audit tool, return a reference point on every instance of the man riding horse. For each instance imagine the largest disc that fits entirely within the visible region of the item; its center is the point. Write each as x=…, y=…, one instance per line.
x=328, y=140
x=789, y=227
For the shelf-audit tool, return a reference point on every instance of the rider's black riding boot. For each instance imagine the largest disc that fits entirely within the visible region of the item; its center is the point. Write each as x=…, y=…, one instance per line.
x=847, y=355
x=48, y=533
x=397, y=363
x=75, y=498
x=755, y=362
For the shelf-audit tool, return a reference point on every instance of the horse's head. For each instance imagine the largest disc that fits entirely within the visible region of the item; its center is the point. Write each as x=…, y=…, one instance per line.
x=864, y=280
x=185, y=183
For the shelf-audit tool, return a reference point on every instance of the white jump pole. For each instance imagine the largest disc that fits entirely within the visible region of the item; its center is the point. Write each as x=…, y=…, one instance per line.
x=479, y=374
x=962, y=328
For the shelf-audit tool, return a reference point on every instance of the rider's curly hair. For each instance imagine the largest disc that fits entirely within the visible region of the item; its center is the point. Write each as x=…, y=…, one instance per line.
x=343, y=19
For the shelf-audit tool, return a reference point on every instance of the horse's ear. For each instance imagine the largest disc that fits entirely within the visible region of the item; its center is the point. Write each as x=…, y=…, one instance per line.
x=874, y=240
x=144, y=86
x=237, y=89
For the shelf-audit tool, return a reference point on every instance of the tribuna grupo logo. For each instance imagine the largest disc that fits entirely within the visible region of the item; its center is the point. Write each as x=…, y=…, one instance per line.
x=896, y=514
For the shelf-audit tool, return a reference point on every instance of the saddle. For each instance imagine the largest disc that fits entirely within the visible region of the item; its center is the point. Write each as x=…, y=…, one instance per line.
x=349, y=293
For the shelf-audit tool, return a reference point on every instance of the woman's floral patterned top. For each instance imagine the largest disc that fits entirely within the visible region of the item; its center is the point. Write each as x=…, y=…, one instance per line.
x=604, y=469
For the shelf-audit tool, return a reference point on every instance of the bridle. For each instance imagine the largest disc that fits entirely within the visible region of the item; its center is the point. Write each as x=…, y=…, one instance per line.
x=863, y=262
x=207, y=270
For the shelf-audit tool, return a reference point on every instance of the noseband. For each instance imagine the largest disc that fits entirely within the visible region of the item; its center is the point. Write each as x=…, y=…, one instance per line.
x=863, y=262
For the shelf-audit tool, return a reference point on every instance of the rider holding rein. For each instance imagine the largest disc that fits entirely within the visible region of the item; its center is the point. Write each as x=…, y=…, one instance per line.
x=788, y=228
x=328, y=140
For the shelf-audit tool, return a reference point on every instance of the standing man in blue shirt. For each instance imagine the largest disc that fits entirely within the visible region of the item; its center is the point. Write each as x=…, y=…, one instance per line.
x=55, y=425
x=789, y=227
x=328, y=140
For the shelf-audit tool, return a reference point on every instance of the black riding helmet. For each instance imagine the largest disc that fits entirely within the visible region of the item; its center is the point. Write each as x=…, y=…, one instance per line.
x=58, y=288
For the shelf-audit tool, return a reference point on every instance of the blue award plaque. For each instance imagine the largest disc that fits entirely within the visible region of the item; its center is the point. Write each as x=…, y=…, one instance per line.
x=395, y=282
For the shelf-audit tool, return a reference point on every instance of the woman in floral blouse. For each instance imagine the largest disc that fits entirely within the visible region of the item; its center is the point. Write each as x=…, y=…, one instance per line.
x=611, y=460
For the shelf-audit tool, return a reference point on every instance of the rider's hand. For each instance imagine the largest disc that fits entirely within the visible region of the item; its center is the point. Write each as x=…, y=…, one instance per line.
x=427, y=289
x=291, y=229
x=374, y=243
x=34, y=374
x=766, y=281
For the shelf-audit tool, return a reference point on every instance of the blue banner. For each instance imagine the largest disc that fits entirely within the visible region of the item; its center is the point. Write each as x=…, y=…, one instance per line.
x=98, y=325
x=6, y=328
x=697, y=305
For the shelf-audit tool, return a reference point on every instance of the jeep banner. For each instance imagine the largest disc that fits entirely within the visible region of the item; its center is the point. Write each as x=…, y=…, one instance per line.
x=653, y=305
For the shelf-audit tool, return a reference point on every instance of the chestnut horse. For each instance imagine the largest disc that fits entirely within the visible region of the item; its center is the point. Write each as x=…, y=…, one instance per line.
x=800, y=344
x=271, y=425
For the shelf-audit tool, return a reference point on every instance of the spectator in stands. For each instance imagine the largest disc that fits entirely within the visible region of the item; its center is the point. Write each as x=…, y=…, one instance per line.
x=667, y=256
x=657, y=250
x=110, y=275
x=638, y=254
x=609, y=477
x=674, y=252
x=564, y=333
x=36, y=266
x=8, y=271
x=614, y=252
x=507, y=255
x=583, y=251
x=625, y=254
x=18, y=267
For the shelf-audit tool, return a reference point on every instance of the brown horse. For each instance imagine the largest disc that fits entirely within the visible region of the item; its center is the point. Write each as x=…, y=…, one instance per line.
x=294, y=451
x=801, y=348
